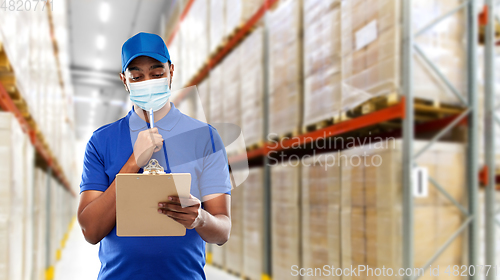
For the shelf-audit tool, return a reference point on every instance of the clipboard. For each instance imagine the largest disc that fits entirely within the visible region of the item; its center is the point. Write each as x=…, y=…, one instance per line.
x=137, y=198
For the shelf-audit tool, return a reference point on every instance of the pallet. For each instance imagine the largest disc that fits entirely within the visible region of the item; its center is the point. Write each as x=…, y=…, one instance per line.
x=255, y=146
x=295, y=132
x=374, y=104
x=435, y=108
x=219, y=47
x=5, y=65
x=228, y=38
x=235, y=31
x=219, y=266
x=425, y=110
x=235, y=273
x=320, y=125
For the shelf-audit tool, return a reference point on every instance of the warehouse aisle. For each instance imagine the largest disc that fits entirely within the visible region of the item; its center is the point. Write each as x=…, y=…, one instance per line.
x=214, y=273
x=79, y=261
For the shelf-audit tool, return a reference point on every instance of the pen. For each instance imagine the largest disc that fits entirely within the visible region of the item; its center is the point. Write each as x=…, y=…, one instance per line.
x=151, y=118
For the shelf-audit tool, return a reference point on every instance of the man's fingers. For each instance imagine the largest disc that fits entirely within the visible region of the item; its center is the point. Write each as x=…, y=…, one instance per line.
x=175, y=207
x=175, y=215
x=185, y=202
x=174, y=199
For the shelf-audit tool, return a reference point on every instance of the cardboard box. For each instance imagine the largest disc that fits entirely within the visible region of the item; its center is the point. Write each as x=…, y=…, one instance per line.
x=285, y=68
x=285, y=235
x=234, y=246
x=252, y=87
x=253, y=224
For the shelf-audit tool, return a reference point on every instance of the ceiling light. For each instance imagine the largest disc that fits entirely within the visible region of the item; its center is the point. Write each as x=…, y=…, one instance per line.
x=104, y=11
x=100, y=42
x=98, y=64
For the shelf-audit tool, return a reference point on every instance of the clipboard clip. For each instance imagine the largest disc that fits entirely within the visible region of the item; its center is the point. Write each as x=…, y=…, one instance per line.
x=153, y=168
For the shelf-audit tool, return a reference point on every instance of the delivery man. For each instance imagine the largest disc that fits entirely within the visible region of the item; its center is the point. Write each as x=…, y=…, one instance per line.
x=181, y=144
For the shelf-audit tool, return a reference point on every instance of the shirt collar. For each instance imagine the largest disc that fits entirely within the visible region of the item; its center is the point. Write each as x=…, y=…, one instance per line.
x=166, y=123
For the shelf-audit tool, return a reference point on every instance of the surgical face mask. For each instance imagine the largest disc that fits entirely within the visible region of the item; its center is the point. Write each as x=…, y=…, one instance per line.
x=150, y=94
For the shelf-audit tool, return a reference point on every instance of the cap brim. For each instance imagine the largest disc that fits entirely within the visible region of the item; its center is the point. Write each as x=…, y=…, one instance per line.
x=156, y=56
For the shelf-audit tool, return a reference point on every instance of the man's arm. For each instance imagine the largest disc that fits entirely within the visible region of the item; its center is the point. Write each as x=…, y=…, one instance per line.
x=217, y=226
x=97, y=210
x=213, y=223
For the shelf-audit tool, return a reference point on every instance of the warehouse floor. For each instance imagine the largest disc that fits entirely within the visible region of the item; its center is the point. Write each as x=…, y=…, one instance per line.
x=79, y=261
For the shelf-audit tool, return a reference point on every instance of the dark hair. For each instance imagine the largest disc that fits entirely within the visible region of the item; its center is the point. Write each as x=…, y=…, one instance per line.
x=168, y=61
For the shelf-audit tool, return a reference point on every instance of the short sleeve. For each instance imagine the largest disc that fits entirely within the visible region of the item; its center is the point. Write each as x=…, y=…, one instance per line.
x=93, y=176
x=215, y=176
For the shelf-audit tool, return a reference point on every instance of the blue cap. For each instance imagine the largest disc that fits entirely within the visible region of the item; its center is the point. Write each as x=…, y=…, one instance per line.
x=146, y=44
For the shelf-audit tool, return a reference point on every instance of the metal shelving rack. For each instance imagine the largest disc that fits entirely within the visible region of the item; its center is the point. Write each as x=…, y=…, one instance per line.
x=7, y=104
x=404, y=111
x=490, y=122
x=472, y=220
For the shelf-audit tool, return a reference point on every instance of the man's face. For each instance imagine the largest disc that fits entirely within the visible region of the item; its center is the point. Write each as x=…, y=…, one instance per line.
x=144, y=68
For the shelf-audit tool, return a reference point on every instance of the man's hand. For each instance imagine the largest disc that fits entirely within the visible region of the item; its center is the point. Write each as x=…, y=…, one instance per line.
x=148, y=142
x=186, y=211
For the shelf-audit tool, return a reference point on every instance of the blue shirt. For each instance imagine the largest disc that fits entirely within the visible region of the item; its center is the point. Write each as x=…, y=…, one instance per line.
x=193, y=147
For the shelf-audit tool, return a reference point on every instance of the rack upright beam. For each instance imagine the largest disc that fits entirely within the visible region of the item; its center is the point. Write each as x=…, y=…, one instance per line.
x=472, y=145
x=408, y=131
x=489, y=137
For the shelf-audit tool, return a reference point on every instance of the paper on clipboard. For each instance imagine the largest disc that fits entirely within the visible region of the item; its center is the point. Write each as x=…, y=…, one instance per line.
x=137, y=198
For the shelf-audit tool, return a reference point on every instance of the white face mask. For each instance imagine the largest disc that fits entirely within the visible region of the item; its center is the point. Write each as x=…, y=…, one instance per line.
x=150, y=94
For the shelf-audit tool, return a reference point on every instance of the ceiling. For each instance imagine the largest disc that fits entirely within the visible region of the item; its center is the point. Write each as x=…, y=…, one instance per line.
x=97, y=31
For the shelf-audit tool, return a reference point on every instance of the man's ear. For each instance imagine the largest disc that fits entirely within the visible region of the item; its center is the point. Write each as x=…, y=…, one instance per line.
x=124, y=81
x=171, y=74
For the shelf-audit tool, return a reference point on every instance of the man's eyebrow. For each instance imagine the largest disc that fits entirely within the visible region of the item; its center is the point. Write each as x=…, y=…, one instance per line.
x=134, y=68
x=157, y=66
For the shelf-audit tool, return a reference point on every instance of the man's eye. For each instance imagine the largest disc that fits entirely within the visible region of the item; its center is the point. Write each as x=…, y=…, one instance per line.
x=135, y=78
x=159, y=75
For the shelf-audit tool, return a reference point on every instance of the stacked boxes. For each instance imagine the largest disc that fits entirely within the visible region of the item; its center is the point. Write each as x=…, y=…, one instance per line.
x=252, y=87
x=352, y=208
x=40, y=214
x=23, y=207
x=11, y=199
x=218, y=255
x=28, y=220
x=217, y=23
x=234, y=246
x=253, y=195
x=30, y=72
x=231, y=101
x=371, y=50
x=285, y=57
x=320, y=209
x=444, y=45
x=371, y=206
x=322, y=77
x=194, y=33
x=238, y=12
x=285, y=220
x=175, y=51
x=371, y=47
x=216, y=111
